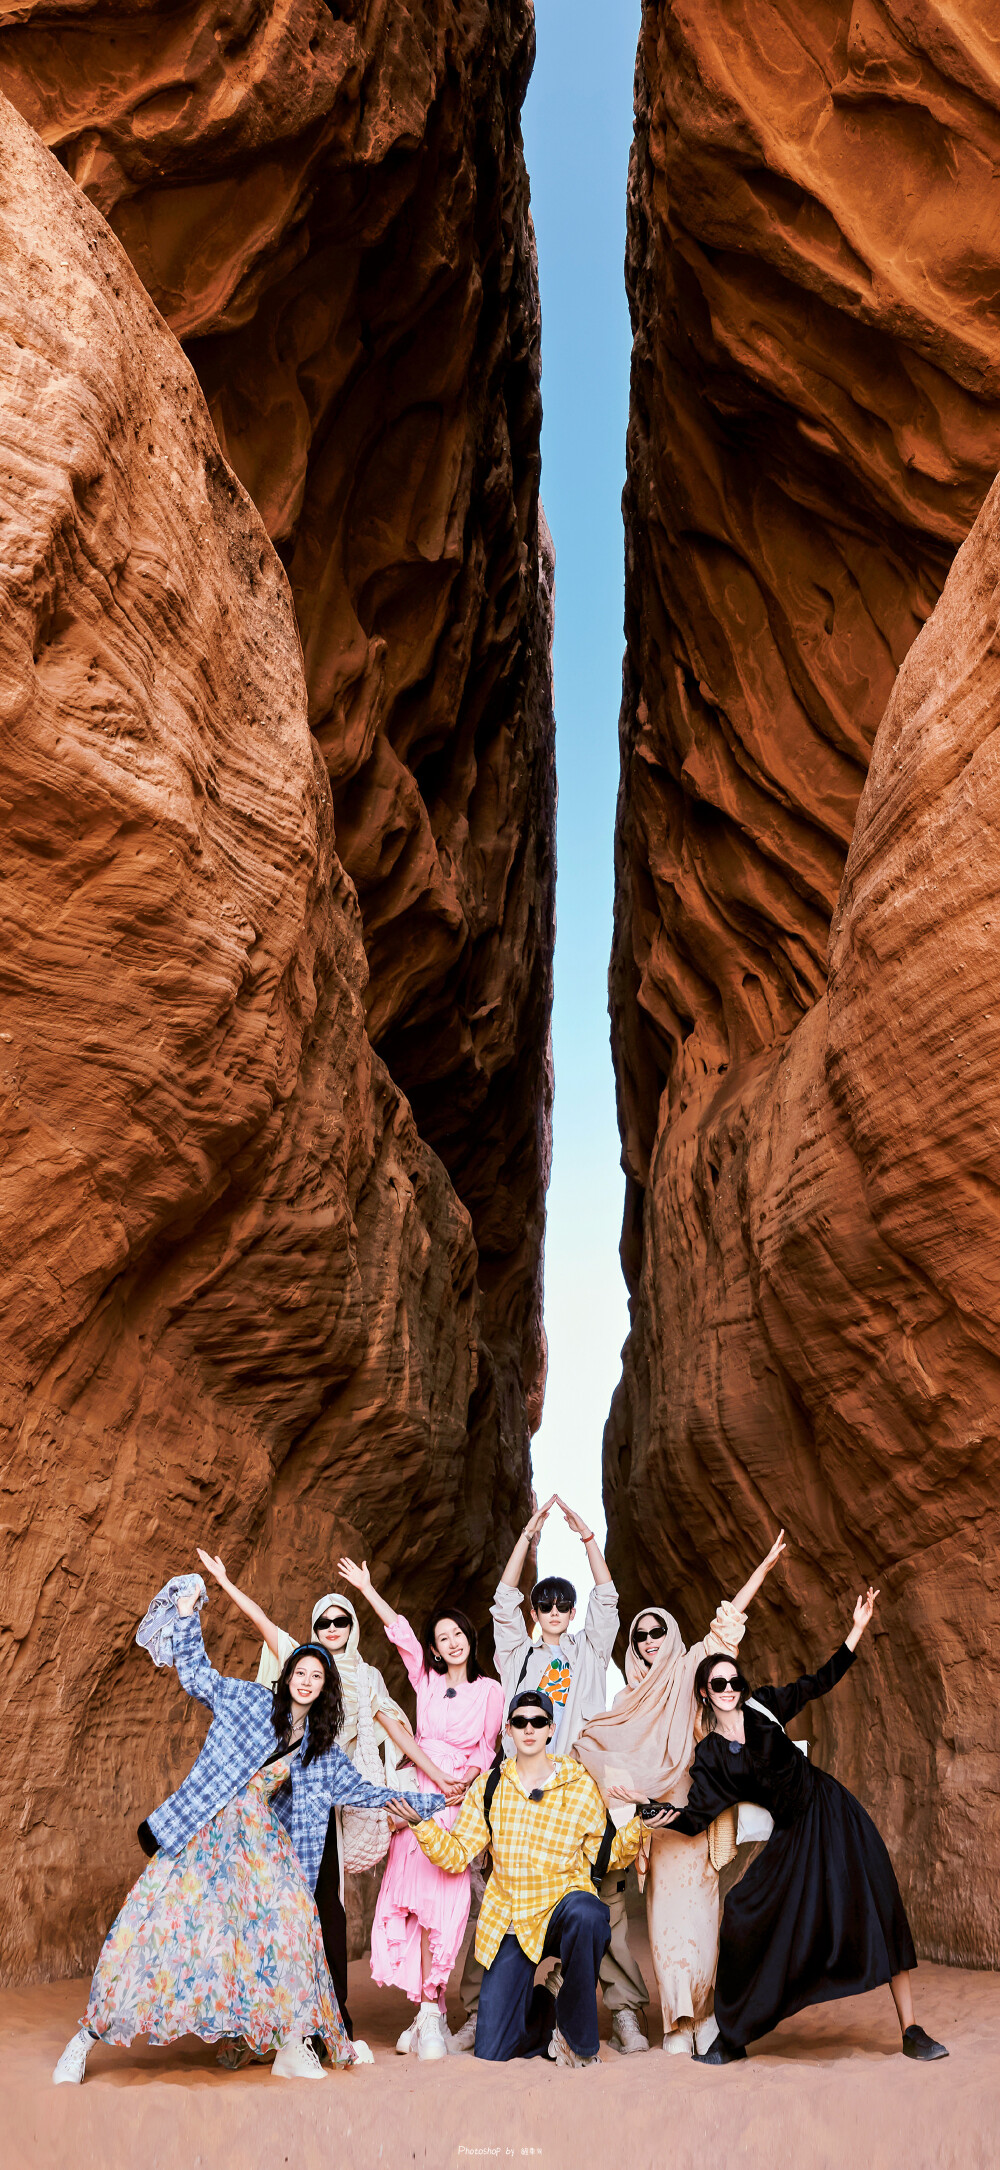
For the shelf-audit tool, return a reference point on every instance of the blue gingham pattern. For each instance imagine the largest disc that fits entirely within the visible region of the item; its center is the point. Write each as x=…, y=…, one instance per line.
x=239, y=1740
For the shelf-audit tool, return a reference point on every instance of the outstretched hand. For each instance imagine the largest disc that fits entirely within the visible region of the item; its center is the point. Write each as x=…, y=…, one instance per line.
x=402, y=1813
x=213, y=1562
x=534, y=1523
x=864, y=1609
x=576, y=1521
x=661, y=1819
x=779, y=1546
x=358, y=1576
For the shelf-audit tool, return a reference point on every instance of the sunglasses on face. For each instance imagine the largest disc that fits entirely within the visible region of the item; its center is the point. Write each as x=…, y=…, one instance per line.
x=337, y=1621
x=650, y=1635
x=520, y=1724
x=721, y=1681
x=552, y=1604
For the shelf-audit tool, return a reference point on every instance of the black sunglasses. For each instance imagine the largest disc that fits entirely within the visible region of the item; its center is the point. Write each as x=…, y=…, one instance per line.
x=720, y=1681
x=518, y=1723
x=339, y=1619
x=552, y=1604
x=650, y=1635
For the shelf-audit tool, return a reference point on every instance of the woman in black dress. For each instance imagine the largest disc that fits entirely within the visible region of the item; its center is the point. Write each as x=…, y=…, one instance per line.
x=818, y=1914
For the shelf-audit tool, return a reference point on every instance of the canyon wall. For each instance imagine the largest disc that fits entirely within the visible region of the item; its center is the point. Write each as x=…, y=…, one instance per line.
x=278, y=900
x=805, y=1062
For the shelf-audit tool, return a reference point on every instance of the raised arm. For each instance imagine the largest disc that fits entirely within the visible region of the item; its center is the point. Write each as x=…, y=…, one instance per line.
x=744, y=1598
x=515, y=1566
x=266, y=1629
x=361, y=1581
x=191, y=1665
x=595, y=1558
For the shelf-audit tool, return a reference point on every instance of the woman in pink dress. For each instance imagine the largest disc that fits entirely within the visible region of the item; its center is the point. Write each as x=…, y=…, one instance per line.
x=421, y=1913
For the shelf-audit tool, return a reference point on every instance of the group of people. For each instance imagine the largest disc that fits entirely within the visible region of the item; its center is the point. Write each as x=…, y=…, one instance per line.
x=237, y=1931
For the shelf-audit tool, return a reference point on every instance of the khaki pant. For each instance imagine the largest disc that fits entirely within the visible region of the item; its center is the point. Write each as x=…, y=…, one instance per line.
x=621, y=1982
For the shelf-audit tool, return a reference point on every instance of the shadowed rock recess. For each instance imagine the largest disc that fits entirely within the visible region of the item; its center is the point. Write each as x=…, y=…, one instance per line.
x=810, y=1113
x=274, y=1124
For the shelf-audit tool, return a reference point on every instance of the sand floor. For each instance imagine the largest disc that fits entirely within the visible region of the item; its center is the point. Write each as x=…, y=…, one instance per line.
x=828, y=2091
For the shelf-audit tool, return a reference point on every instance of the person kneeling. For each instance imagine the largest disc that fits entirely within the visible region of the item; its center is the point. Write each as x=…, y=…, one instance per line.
x=551, y=1841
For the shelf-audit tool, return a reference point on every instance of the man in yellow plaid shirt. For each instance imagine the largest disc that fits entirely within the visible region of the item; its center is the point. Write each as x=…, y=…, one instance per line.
x=547, y=1827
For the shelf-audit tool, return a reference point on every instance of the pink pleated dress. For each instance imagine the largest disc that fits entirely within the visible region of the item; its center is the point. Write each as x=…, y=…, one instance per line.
x=459, y=1730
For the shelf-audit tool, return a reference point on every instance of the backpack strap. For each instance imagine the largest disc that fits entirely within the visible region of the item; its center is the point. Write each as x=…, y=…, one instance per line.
x=600, y=1867
x=527, y=1661
x=488, y=1794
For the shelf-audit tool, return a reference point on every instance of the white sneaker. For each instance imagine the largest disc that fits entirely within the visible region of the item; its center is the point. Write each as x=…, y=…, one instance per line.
x=680, y=2043
x=73, y=2062
x=628, y=2036
x=362, y=2054
x=561, y=2054
x=297, y=2061
x=408, y=2038
x=430, y=2034
x=464, y=2039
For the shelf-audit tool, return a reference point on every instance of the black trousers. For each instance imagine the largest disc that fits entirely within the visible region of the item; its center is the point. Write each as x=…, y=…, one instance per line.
x=332, y=1918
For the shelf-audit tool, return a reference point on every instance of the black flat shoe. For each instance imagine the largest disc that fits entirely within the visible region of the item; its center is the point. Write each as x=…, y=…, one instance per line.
x=918, y=2044
x=729, y=2053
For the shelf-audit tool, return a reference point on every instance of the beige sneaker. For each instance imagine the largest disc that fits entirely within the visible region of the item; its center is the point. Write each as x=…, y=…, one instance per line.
x=628, y=2035
x=561, y=2054
x=465, y=2037
x=73, y=2062
x=297, y=2061
x=431, y=2041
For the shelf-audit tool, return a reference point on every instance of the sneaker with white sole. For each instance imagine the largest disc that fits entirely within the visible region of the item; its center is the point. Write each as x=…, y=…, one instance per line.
x=362, y=2053
x=408, y=2039
x=73, y=2063
x=430, y=2033
x=628, y=2035
x=561, y=2054
x=681, y=2042
x=464, y=2039
x=297, y=2061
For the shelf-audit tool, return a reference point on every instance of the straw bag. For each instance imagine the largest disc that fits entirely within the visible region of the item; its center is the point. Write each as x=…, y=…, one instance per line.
x=366, y=1831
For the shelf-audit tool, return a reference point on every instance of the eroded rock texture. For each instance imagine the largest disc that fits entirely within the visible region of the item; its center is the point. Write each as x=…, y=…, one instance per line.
x=811, y=1237
x=238, y=1289
x=328, y=204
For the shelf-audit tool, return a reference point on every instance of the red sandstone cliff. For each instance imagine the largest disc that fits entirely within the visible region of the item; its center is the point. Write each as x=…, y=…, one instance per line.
x=811, y=1237
x=275, y=1129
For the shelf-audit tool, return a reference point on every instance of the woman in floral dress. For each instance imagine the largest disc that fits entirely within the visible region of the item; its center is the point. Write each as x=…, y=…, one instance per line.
x=220, y=1937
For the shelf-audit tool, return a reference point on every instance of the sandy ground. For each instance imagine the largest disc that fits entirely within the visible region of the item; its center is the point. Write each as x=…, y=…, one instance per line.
x=828, y=2091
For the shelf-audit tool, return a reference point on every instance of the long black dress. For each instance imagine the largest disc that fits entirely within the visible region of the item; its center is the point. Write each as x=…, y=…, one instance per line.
x=818, y=1914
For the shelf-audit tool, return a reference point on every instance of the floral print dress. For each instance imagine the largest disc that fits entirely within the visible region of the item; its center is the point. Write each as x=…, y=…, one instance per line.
x=221, y=1939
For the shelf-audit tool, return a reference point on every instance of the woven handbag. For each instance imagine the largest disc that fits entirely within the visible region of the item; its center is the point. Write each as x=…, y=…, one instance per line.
x=366, y=1830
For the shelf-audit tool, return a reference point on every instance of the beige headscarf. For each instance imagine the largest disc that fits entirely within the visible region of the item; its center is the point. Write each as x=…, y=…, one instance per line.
x=352, y=1669
x=646, y=1741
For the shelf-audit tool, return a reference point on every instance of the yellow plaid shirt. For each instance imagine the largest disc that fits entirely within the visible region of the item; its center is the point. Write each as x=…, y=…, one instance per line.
x=541, y=1850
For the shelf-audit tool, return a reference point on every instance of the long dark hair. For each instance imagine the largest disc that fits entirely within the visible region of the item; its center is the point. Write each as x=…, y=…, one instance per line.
x=324, y=1718
x=433, y=1660
x=701, y=1680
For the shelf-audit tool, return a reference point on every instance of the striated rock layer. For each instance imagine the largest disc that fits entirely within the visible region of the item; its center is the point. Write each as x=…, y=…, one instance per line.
x=238, y=1290
x=329, y=206
x=811, y=1239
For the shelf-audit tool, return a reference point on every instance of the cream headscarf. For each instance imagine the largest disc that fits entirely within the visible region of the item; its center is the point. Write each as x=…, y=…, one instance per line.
x=646, y=1741
x=352, y=1669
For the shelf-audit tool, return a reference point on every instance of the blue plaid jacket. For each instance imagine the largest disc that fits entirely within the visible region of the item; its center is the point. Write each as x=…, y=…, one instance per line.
x=239, y=1740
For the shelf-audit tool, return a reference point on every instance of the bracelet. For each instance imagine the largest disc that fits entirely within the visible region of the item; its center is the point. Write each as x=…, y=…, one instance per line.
x=586, y=1540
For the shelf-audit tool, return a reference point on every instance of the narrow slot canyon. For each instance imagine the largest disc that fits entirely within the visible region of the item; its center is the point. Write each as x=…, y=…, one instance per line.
x=290, y=1053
